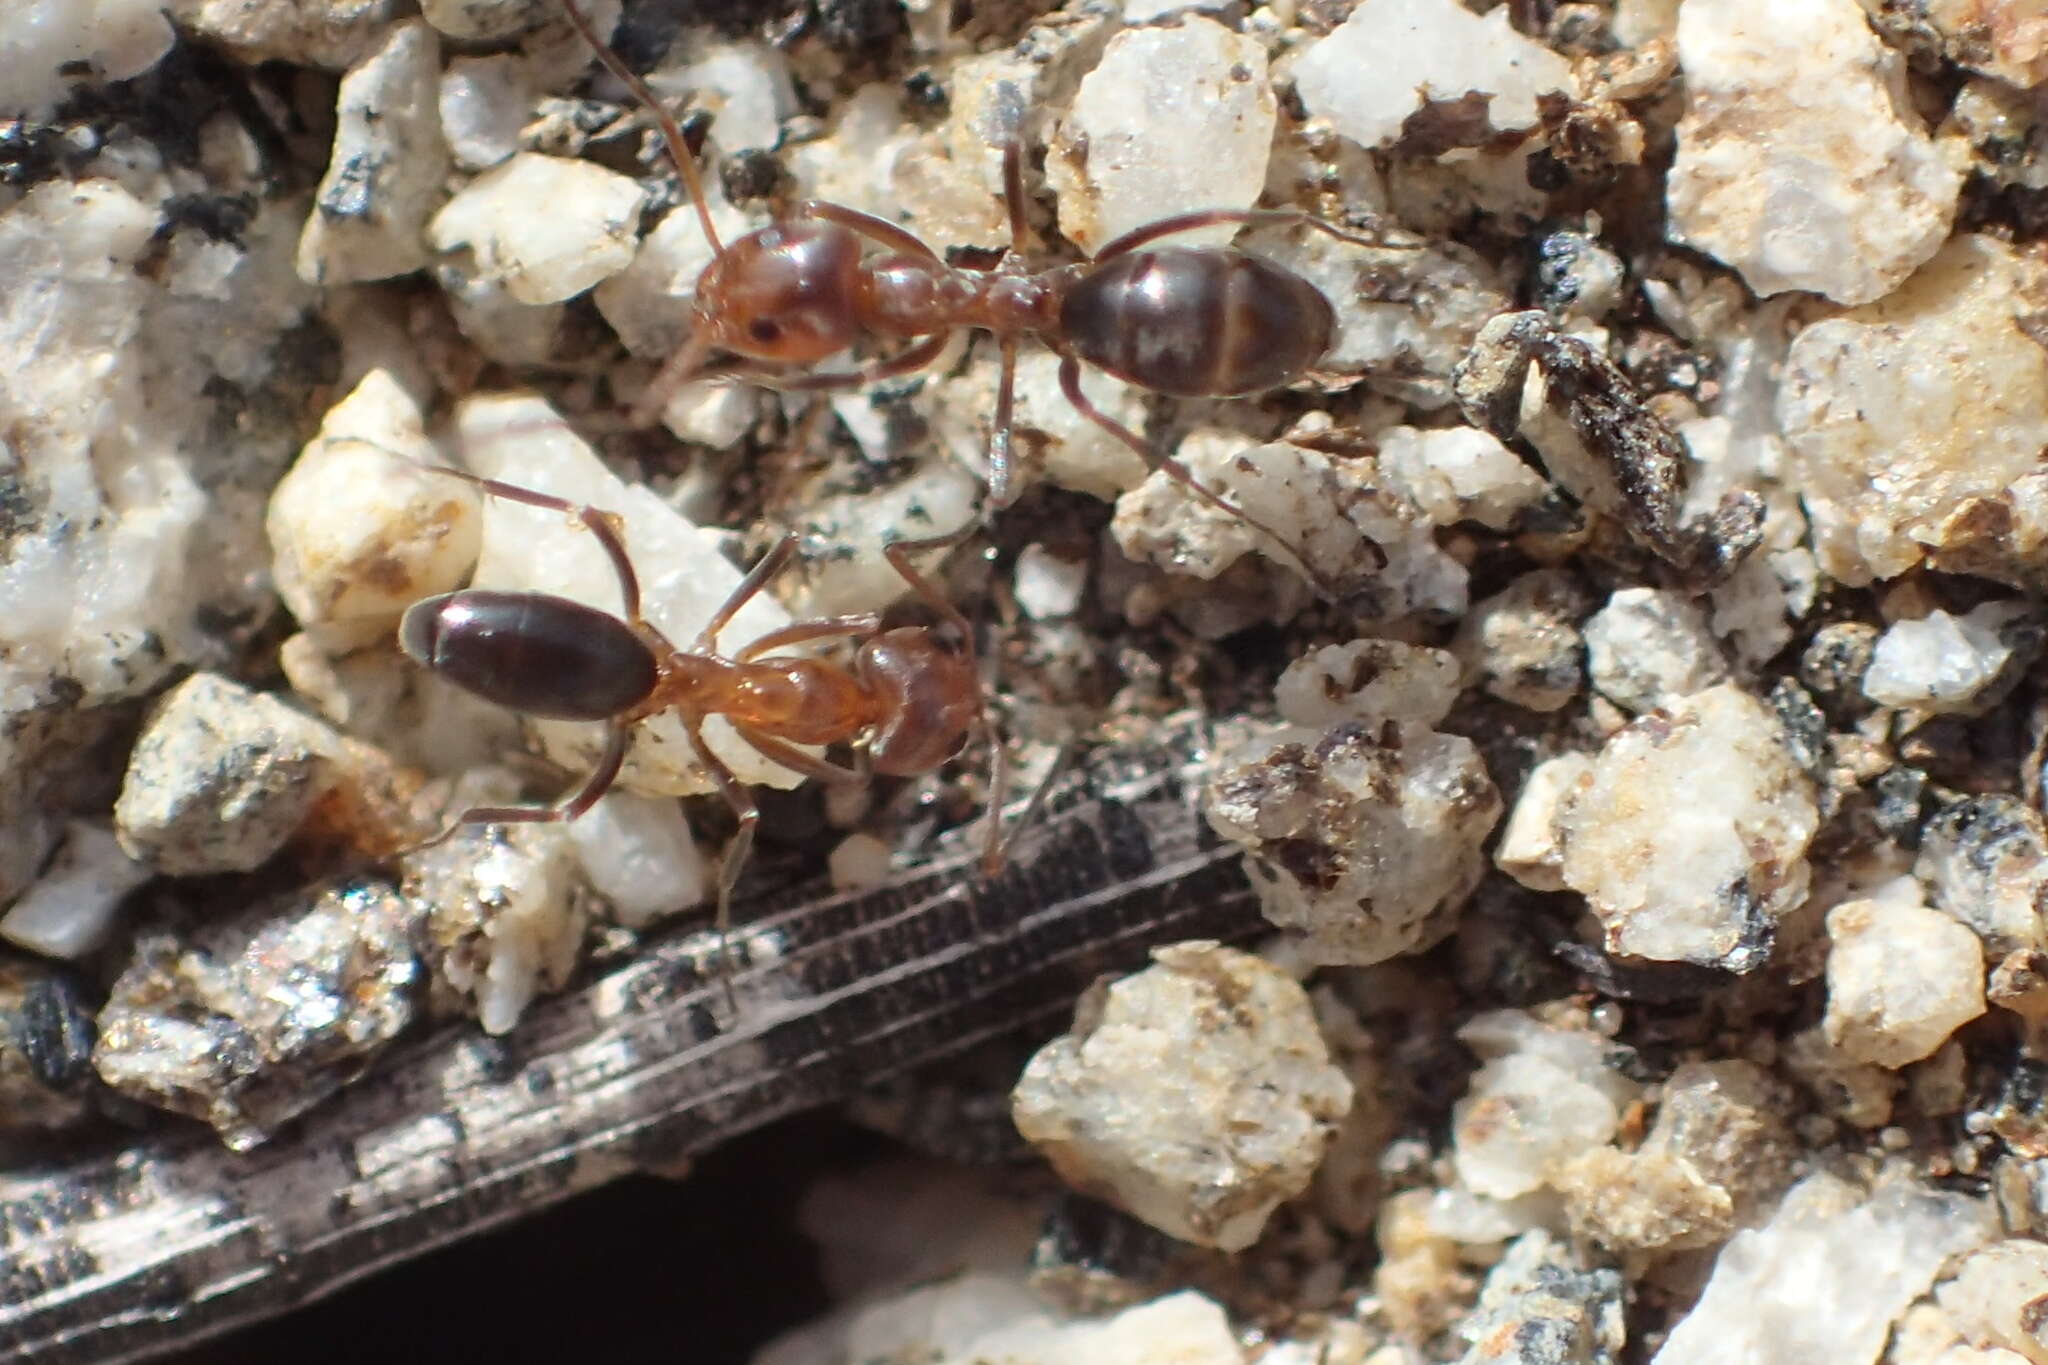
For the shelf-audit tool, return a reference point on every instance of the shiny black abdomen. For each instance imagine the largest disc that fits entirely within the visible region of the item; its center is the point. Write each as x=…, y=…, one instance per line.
x=1197, y=322
x=541, y=655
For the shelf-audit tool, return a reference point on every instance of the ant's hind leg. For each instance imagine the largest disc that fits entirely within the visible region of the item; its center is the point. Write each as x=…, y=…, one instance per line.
x=1001, y=459
x=1147, y=233
x=769, y=565
x=734, y=861
x=572, y=805
x=1070, y=385
x=606, y=527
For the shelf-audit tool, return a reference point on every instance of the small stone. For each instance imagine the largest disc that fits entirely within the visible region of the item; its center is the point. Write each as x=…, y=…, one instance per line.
x=1953, y=664
x=2003, y=38
x=1524, y=645
x=1835, y=661
x=71, y=908
x=502, y=328
x=1843, y=1089
x=1367, y=680
x=502, y=918
x=484, y=103
x=1648, y=647
x=1197, y=1095
x=334, y=34
x=486, y=20
x=858, y=862
x=1901, y=979
x=1047, y=587
x=2018, y=983
x=1997, y=1296
x=1171, y=120
x=547, y=227
x=255, y=1021
x=746, y=85
x=360, y=529
x=1542, y=1097
x=1601, y=441
x=1718, y=1151
x=1531, y=848
x=1330, y=516
x=220, y=778
x=1827, y=1276
x=1459, y=474
x=46, y=1041
x=1541, y=1305
x=49, y=41
x=1801, y=160
x=385, y=175
x=1688, y=837
x=1916, y=423
x=1364, y=837
x=1984, y=860
x=1392, y=59
x=638, y=854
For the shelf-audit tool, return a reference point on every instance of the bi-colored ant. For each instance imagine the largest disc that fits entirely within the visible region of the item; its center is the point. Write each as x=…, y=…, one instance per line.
x=914, y=700
x=1190, y=322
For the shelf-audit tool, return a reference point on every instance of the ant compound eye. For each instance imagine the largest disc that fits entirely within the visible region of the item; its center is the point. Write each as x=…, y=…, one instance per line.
x=764, y=330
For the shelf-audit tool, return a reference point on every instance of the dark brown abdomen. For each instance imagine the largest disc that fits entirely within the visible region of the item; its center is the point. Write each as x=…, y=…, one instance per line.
x=1197, y=322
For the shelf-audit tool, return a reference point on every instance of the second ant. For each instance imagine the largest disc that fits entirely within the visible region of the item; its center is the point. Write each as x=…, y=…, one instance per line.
x=1190, y=322
x=909, y=700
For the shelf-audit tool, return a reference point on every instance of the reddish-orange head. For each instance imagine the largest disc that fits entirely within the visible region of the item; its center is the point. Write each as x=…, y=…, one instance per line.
x=788, y=294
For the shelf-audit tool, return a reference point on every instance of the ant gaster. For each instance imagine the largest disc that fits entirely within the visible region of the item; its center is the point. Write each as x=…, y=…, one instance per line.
x=1189, y=322
x=913, y=700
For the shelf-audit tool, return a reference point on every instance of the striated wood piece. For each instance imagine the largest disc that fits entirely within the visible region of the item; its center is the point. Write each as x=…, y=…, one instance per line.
x=127, y=1252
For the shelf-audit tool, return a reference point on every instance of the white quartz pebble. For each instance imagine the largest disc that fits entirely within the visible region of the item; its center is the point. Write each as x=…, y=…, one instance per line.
x=1172, y=120
x=1198, y=1094
x=360, y=527
x=1901, y=979
x=386, y=172
x=1391, y=56
x=1802, y=161
x=547, y=226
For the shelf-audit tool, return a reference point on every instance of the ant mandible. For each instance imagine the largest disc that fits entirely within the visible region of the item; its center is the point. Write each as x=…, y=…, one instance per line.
x=1188, y=322
x=916, y=701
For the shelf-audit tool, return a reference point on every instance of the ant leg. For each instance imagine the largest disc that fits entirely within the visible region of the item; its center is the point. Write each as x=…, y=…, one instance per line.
x=749, y=587
x=1070, y=385
x=605, y=526
x=678, y=370
x=1013, y=191
x=735, y=860
x=907, y=362
x=795, y=759
x=569, y=807
x=898, y=553
x=1000, y=462
x=801, y=632
x=1147, y=233
x=671, y=134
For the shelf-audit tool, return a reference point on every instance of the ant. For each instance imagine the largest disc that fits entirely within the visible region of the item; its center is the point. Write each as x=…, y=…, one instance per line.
x=1188, y=322
x=915, y=701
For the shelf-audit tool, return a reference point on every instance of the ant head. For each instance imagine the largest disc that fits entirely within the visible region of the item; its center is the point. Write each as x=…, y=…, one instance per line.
x=788, y=294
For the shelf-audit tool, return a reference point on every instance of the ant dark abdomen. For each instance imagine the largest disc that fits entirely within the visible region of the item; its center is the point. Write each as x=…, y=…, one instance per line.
x=1197, y=322
x=541, y=655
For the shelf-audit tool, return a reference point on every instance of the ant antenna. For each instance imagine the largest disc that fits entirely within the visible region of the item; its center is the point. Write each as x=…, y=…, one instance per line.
x=678, y=149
